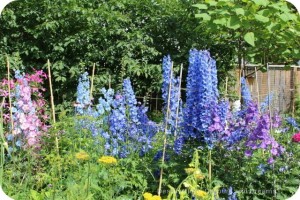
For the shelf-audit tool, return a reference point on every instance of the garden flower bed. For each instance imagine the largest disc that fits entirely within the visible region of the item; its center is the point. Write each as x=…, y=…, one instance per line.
x=108, y=148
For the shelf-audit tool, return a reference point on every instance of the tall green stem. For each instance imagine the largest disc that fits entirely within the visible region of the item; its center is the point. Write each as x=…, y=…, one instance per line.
x=88, y=181
x=209, y=174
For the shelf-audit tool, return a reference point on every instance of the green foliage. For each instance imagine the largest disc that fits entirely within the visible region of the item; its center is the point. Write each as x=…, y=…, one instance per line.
x=49, y=174
x=156, y=116
x=124, y=38
x=259, y=30
x=244, y=175
x=62, y=175
x=196, y=182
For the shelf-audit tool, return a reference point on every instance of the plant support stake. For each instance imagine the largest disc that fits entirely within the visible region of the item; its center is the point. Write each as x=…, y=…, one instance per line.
x=165, y=132
x=92, y=81
x=178, y=102
x=52, y=102
x=257, y=88
x=9, y=94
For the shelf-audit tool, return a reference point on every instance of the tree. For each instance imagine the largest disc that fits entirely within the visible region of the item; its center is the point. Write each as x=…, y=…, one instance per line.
x=260, y=30
x=125, y=38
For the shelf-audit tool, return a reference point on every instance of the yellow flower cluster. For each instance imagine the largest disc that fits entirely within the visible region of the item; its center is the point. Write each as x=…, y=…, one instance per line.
x=107, y=160
x=200, y=193
x=82, y=155
x=198, y=175
x=149, y=196
x=189, y=170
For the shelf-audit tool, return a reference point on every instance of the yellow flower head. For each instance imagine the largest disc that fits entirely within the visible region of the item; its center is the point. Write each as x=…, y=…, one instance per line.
x=200, y=193
x=198, y=175
x=147, y=196
x=107, y=160
x=189, y=170
x=155, y=197
x=82, y=155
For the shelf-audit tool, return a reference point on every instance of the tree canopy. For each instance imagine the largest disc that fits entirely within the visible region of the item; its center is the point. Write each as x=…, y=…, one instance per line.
x=128, y=38
x=260, y=30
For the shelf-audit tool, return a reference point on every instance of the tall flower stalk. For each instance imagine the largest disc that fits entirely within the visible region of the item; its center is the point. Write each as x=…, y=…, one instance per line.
x=202, y=111
x=128, y=128
x=173, y=94
x=27, y=108
x=83, y=100
x=168, y=113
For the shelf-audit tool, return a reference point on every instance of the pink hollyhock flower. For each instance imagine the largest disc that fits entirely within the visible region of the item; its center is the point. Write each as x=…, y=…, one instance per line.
x=296, y=137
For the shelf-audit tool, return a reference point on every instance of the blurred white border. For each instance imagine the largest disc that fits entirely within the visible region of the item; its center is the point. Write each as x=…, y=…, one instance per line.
x=3, y=3
x=296, y=3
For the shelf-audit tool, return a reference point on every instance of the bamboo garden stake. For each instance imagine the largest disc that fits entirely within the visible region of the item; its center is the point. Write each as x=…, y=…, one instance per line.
x=92, y=81
x=257, y=88
x=178, y=102
x=109, y=81
x=269, y=91
x=226, y=87
x=3, y=144
x=165, y=132
x=9, y=94
x=52, y=102
x=51, y=92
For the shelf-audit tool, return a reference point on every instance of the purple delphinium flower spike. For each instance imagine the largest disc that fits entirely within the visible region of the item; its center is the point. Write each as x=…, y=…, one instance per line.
x=261, y=138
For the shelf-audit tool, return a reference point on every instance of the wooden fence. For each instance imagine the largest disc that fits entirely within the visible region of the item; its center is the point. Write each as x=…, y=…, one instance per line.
x=283, y=85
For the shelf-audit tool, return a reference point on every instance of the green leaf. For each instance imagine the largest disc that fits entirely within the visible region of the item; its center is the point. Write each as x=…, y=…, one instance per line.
x=261, y=2
x=249, y=38
x=296, y=51
x=204, y=16
x=221, y=3
x=291, y=189
x=286, y=17
x=240, y=11
x=276, y=5
x=221, y=21
x=200, y=6
x=233, y=23
x=265, y=12
x=256, y=198
x=273, y=27
x=211, y=2
x=261, y=18
x=35, y=195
